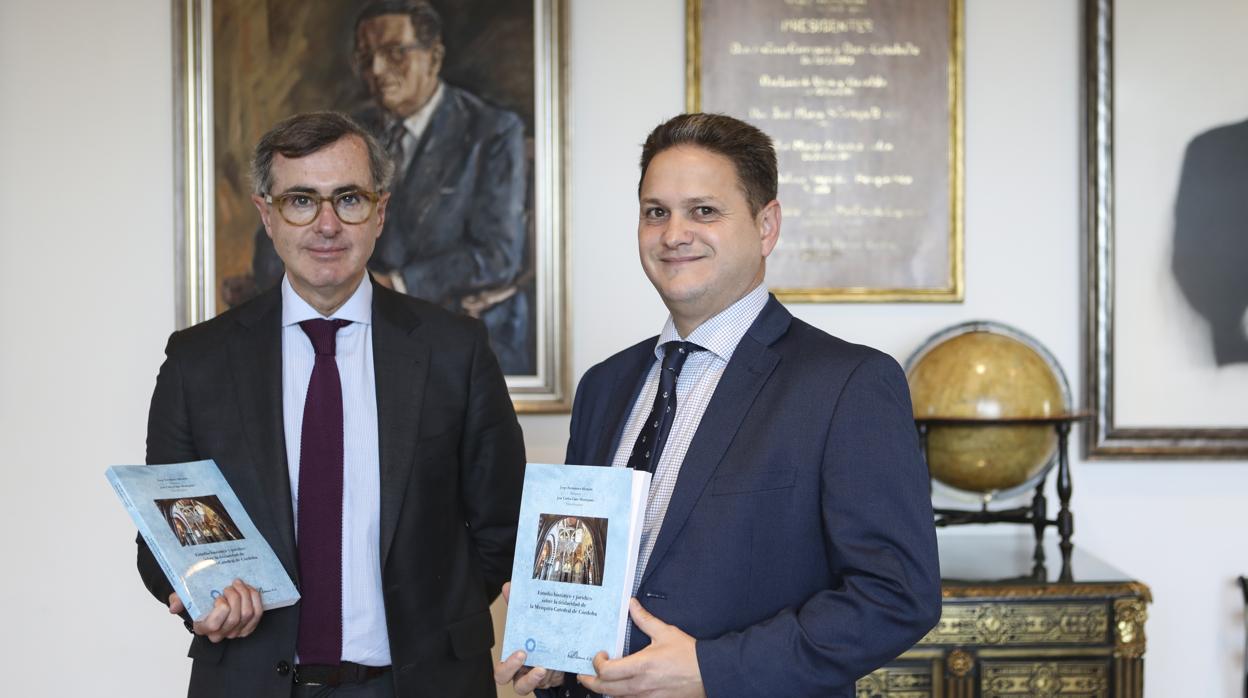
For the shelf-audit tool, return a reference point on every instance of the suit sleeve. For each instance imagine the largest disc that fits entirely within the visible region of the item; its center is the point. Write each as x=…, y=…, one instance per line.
x=168, y=441
x=492, y=454
x=576, y=453
x=877, y=524
x=492, y=247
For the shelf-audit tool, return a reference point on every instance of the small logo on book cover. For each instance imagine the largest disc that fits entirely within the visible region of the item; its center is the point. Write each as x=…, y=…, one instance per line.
x=530, y=645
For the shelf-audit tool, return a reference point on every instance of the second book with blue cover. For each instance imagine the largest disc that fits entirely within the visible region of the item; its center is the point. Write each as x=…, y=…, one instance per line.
x=576, y=558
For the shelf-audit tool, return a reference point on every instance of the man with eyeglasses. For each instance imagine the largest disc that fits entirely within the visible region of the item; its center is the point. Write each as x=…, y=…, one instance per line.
x=368, y=434
x=457, y=224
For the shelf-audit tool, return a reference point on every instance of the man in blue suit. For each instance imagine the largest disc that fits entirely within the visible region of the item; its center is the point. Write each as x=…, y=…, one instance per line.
x=788, y=546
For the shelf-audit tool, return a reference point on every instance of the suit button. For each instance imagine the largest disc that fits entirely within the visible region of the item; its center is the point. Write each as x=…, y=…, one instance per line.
x=283, y=668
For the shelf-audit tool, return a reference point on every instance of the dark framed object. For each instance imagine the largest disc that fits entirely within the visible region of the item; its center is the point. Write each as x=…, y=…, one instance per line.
x=241, y=66
x=864, y=102
x=1131, y=254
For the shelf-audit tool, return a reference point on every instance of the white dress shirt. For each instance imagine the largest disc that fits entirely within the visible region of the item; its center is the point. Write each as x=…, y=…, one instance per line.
x=364, y=637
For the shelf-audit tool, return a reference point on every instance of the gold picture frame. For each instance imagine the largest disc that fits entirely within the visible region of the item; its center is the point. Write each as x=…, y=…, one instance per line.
x=201, y=135
x=880, y=259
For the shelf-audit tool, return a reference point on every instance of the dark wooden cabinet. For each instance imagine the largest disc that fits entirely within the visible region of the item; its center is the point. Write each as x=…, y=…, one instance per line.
x=1010, y=629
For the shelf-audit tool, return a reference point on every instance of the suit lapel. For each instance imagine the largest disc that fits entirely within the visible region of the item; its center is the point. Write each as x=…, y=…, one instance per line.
x=439, y=155
x=255, y=351
x=752, y=364
x=400, y=367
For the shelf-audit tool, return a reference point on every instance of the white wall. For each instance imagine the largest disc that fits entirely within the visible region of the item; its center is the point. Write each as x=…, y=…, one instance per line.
x=86, y=274
x=86, y=278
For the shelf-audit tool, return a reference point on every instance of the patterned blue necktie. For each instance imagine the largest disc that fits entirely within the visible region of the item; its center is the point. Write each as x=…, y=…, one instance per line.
x=653, y=436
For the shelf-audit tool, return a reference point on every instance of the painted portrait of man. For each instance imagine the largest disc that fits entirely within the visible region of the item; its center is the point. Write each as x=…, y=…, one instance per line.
x=448, y=89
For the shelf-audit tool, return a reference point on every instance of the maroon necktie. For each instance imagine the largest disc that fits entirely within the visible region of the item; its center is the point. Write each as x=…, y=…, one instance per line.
x=320, y=503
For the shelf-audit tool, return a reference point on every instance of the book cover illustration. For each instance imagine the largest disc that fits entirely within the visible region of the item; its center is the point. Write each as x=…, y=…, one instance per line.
x=576, y=555
x=199, y=533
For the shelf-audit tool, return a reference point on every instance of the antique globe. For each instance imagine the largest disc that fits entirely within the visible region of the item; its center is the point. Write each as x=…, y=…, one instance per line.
x=988, y=371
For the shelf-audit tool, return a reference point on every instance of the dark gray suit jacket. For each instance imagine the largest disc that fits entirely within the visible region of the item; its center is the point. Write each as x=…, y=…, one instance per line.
x=451, y=459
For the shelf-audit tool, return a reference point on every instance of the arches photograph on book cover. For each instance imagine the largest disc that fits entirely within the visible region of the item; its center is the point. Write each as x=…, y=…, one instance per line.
x=570, y=549
x=199, y=520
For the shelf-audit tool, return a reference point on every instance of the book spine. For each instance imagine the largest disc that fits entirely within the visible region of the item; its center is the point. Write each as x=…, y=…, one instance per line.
x=121, y=491
x=640, y=481
x=177, y=581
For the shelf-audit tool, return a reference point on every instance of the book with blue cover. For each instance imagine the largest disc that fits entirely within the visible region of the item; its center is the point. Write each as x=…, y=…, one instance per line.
x=200, y=534
x=576, y=557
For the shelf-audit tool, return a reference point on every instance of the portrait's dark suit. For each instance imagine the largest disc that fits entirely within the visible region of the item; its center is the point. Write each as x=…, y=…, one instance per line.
x=456, y=222
x=451, y=461
x=798, y=547
x=1211, y=236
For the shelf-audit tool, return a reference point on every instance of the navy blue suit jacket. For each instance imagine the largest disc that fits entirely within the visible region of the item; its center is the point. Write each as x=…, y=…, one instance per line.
x=456, y=223
x=798, y=547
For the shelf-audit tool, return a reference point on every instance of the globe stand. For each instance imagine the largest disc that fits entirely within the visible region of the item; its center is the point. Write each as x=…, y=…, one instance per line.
x=1035, y=515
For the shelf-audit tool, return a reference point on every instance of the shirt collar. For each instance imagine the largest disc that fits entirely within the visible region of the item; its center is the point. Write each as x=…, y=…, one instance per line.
x=358, y=308
x=418, y=122
x=721, y=334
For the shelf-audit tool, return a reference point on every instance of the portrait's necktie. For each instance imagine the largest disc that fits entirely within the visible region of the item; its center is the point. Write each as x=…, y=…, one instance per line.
x=319, y=527
x=394, y=142
x=653, y=436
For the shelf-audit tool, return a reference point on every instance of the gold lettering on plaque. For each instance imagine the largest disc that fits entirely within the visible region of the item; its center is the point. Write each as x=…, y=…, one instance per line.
x=878, y=181
x=827, y=25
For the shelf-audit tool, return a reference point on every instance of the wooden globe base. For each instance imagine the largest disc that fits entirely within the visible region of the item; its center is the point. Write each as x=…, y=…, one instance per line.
x=1035, y=515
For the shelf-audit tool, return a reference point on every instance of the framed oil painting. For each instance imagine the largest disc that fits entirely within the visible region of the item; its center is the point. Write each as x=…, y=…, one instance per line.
x=1167, y=229
x=467, y=95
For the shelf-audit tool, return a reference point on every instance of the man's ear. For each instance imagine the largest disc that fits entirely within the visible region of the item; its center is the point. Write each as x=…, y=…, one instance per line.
x=436, y=54
x=381, y=211
x=768, y=222
x=264, y=210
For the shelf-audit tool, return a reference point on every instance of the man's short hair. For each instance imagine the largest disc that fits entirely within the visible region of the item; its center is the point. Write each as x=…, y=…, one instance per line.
x=749, y=149
x=426, y=22
x=303, y=134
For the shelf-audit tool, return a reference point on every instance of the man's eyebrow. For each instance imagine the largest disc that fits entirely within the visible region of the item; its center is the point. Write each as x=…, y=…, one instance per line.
x=690, y=201
x=304, y=189
x=699, y=200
